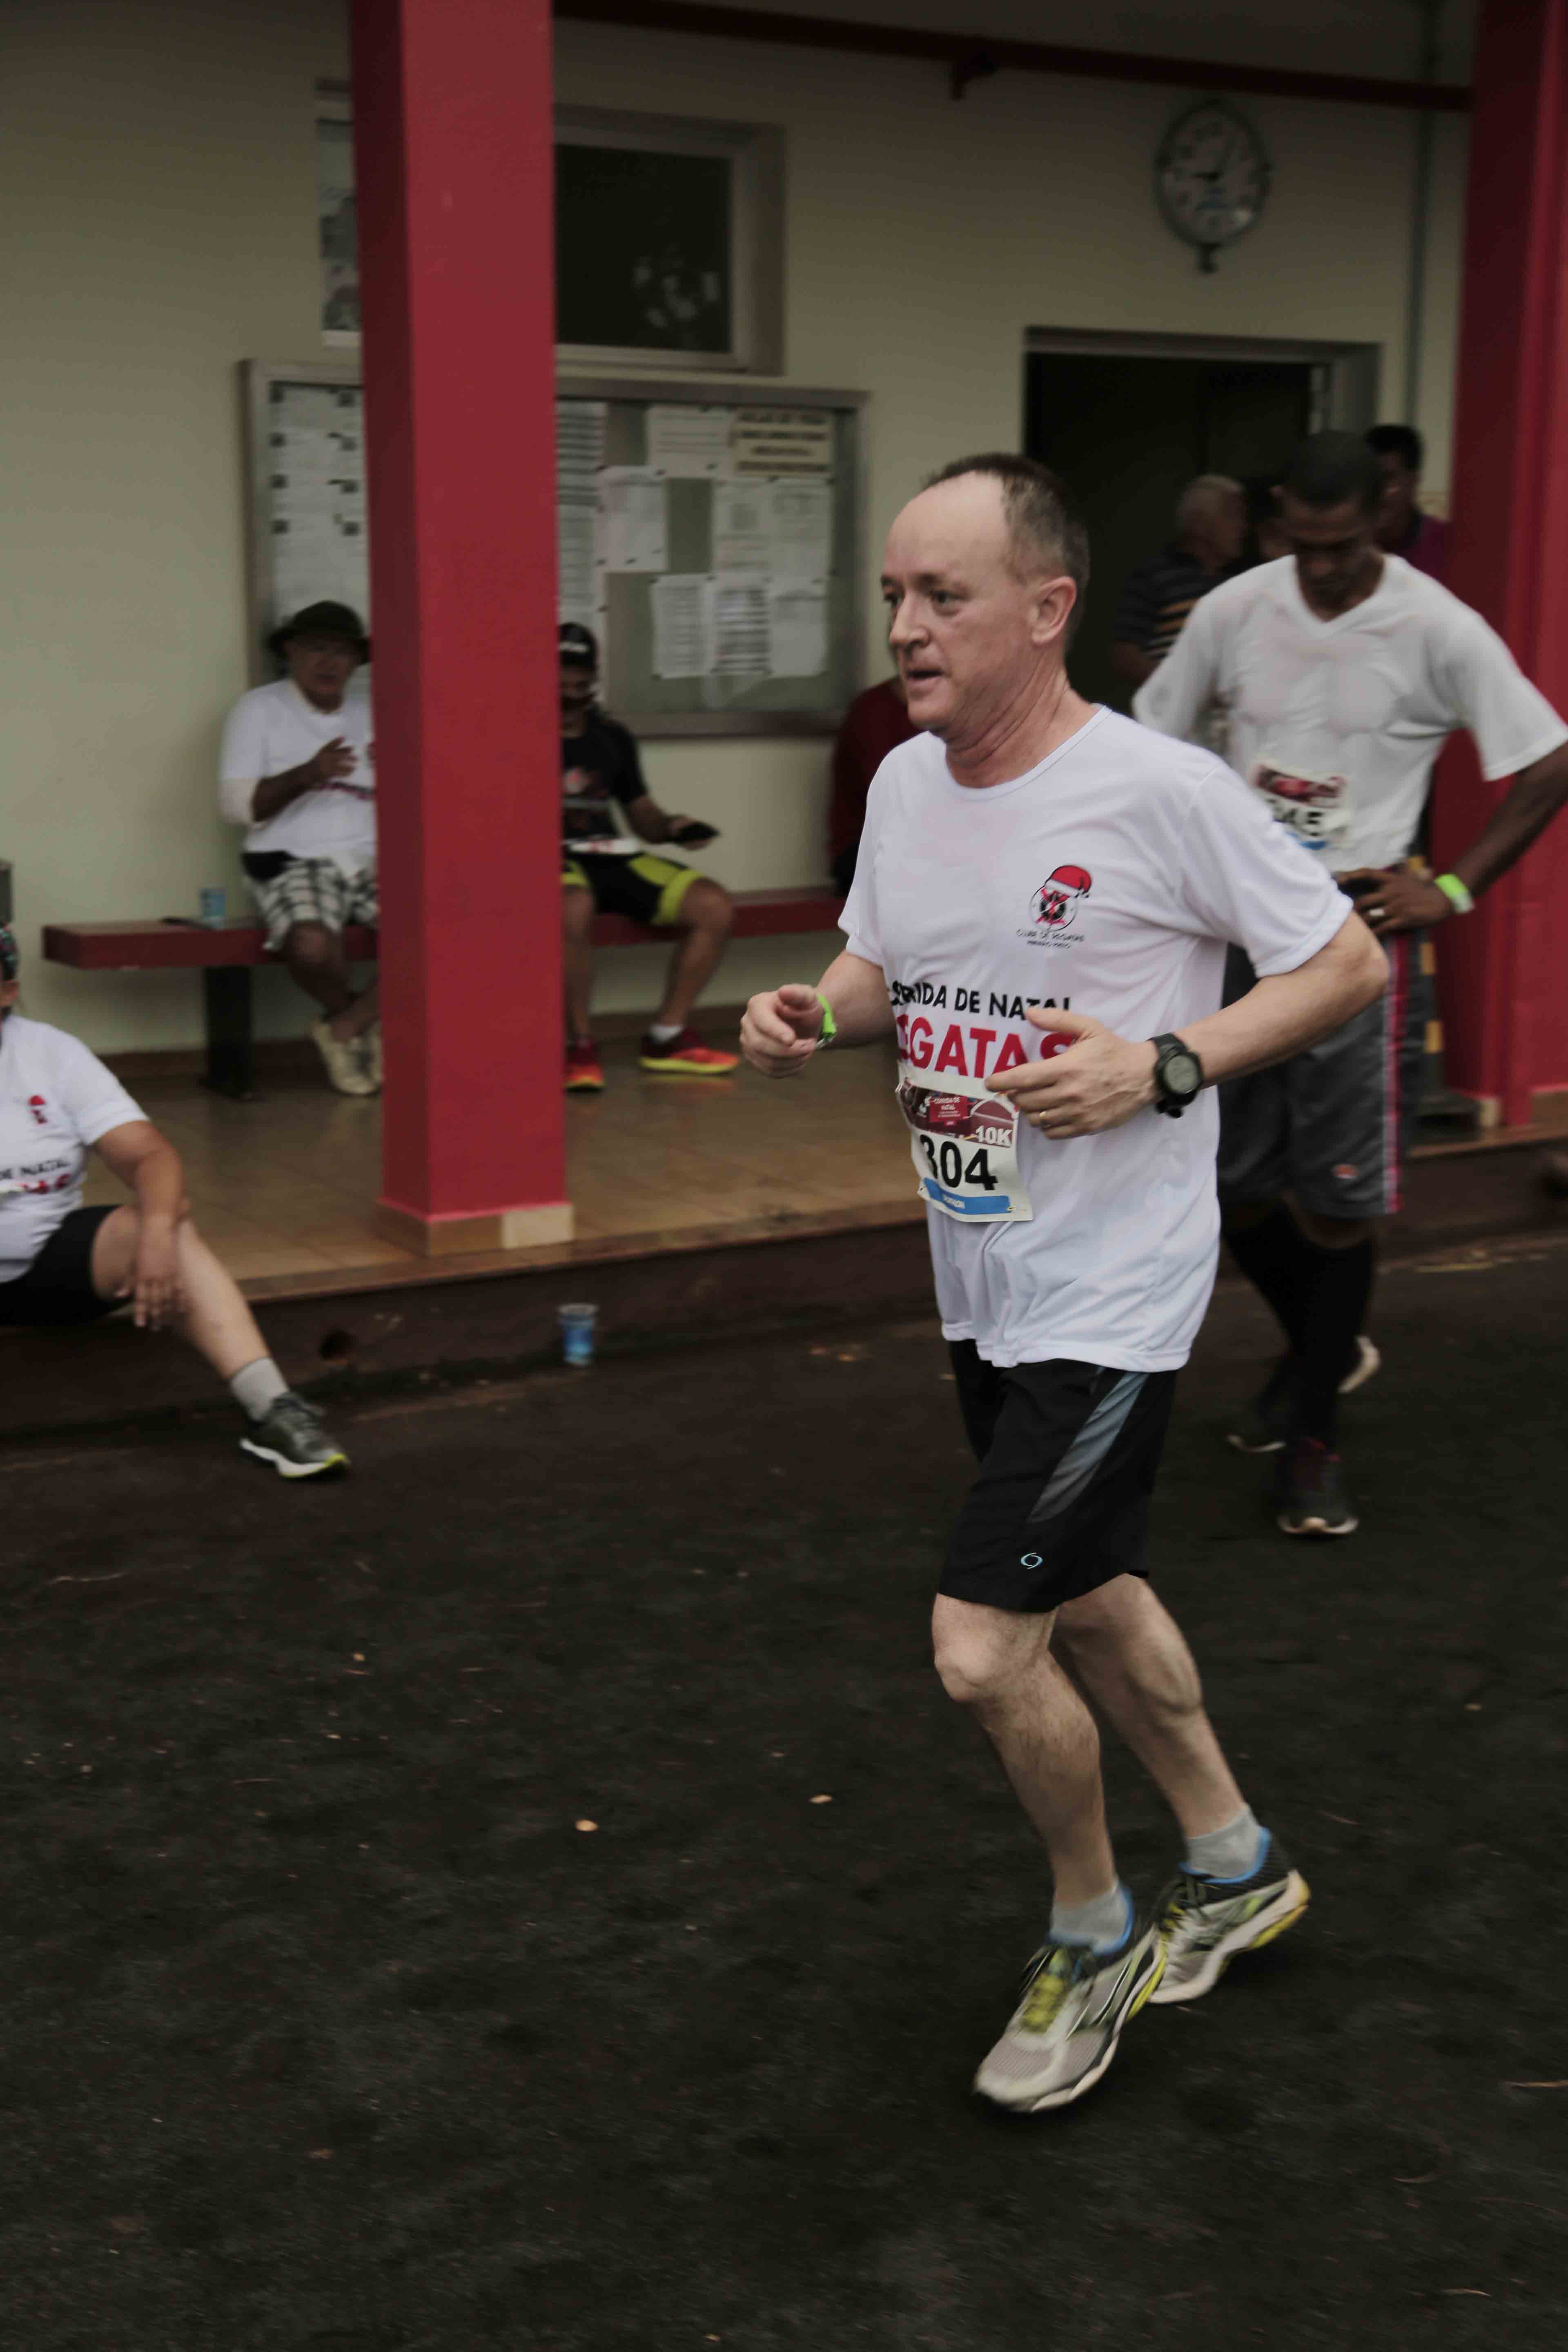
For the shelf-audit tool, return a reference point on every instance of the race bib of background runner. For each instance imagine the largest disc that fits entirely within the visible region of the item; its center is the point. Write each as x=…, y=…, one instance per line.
x=1316, y=809
x=964, y=1145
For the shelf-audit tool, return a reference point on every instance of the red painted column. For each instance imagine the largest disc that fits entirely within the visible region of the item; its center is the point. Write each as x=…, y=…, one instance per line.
x=1504, y=969
x=453, y=141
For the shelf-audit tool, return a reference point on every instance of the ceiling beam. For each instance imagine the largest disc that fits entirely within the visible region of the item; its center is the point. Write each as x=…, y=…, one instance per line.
x=970, y=57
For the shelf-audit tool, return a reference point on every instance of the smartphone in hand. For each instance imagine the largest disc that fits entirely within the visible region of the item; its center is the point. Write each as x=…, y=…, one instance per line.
x=694, y=835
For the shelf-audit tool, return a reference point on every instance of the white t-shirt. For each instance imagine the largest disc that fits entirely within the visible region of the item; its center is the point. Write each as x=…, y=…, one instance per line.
x=56, y=1098
x=273, y=729
x=1350, y=713
x=1109, y=878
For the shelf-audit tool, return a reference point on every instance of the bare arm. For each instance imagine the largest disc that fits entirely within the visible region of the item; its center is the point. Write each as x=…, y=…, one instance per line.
x=329, y=765
x=783, y=1028
x=1102, y=1079
x=1131, y=661
x=1405, y=901
x=148, y=1165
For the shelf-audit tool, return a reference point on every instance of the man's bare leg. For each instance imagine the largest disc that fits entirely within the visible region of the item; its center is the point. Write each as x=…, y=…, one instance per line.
x=705, y=917
x=577, y=954
x=1128, y=1653
x=315, y=960
x=999, y=1664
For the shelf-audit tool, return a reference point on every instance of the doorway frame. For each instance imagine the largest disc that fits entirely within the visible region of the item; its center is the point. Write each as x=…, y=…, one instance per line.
x=1355, y=370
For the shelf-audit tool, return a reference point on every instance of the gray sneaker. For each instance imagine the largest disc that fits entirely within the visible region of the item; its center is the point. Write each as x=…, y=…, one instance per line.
x=1206, y=1921
x=1063, y=2034
x=290, y=1436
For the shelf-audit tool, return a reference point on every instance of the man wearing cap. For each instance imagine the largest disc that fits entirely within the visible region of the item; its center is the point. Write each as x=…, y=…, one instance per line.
x=297, y=771
x=604, y=872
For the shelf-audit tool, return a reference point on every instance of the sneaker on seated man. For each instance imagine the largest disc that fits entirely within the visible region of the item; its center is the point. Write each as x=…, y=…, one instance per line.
x=62, y=1264
x=604, y=872
x=296, y=770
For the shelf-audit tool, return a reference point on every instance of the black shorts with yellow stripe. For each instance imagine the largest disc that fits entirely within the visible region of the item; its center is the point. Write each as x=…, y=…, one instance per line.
x=649, y=889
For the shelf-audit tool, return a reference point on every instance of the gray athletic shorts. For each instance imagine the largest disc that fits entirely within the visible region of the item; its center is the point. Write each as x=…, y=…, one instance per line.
x=1331, y=1125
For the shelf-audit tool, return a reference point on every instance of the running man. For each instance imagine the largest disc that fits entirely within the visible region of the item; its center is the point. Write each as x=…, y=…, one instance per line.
x=1040, y=913
x=1345, y=671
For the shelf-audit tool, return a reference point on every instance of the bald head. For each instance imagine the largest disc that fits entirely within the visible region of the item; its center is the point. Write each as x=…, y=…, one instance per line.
x=1211, y=520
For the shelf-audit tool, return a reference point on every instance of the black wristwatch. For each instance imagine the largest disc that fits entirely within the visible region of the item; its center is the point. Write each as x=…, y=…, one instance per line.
x=1178, y=1075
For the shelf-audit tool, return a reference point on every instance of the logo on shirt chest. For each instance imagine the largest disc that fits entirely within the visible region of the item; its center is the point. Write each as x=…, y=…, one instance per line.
x=39, y=1109
x=1058, y=906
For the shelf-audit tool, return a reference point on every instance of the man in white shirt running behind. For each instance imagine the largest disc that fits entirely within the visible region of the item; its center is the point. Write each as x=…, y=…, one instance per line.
x=1346, y=670
x=297, y=770
x=1041, y=912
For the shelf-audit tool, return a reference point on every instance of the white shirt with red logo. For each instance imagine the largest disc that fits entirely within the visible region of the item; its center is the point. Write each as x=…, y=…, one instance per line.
x=1338, y=724
x=1110, y=878
x=57, y=1099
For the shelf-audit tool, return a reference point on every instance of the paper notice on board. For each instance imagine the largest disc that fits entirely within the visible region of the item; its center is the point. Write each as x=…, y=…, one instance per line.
x=797, y=628
x=689, y=443
x=682, y=625
x=634, y=519
x=783, y=529
x=579, y=453
x=742, y=527
x=782, y=442
x=741, y=630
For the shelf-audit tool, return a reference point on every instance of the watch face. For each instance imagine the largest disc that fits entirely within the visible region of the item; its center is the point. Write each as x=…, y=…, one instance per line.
x=1182, y=1075
x=1211, y=176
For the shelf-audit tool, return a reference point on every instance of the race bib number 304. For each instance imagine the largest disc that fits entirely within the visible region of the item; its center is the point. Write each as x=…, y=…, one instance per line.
x=1315, y=809
x=964, y=1145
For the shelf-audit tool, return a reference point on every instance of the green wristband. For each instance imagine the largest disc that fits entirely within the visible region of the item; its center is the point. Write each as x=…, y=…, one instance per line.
x=829, y=1026
x=1454, y=890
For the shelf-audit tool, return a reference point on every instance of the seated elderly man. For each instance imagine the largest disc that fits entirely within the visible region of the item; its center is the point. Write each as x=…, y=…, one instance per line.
x=297, y=771
x=605, y=872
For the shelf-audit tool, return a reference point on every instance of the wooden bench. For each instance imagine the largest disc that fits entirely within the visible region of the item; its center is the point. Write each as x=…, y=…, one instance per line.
x=226, y=955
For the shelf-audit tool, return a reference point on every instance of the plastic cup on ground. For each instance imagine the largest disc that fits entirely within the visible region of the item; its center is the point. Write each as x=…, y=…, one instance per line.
x=577, y=1323
x=214, y=908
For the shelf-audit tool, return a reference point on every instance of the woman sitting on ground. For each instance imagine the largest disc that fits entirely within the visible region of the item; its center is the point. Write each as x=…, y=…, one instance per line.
x=62, y=1264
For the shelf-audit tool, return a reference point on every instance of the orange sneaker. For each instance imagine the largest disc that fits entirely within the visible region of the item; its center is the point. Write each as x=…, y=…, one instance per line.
x=687, y=1057
x=584, y=1074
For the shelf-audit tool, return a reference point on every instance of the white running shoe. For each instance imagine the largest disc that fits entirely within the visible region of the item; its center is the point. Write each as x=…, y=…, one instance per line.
x=343, y=1059
x=1367, y=1361
x=1064, y=2033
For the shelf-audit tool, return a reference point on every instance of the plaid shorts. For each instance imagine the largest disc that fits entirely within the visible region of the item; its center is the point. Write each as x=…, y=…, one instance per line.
x=315, y=890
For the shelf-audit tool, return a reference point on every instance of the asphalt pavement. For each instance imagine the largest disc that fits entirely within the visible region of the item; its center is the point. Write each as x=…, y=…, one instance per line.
x=535, y=1894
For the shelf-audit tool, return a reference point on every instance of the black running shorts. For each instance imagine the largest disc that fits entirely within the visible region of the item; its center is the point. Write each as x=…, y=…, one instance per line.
x=58, y=1285
x=1067, y=1456
x=649, y=889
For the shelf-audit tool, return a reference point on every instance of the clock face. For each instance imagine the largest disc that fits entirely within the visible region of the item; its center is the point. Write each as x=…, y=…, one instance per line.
x=1211, y=176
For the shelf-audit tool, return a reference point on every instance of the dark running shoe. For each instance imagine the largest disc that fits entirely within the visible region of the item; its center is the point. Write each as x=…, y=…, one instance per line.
x=1206, y=1921
x=1310, y=1492
x=1064, y=2033
x=290, y=1436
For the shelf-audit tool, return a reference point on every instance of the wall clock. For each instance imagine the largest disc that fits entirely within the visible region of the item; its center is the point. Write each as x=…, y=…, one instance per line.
x=1211, y=178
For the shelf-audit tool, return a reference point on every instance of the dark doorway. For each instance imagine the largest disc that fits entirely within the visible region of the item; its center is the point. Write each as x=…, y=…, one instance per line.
x=1128, y=433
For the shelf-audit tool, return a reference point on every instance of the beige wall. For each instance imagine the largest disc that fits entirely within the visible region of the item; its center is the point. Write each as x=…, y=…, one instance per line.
x=157, y=217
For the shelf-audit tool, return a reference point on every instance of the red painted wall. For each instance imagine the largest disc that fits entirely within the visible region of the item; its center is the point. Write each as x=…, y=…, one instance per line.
x=1505, y=967
x=454, y=149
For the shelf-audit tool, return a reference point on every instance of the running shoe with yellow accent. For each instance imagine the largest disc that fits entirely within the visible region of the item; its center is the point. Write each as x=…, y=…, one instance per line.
x=1064, y=2033
x=1204, y=1922
x=584, y=1073
x=687, y=1057
x=291, y=1436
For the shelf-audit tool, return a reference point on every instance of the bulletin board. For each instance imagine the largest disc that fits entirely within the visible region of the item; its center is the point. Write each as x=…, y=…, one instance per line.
x=713, y=545
x=304, y=447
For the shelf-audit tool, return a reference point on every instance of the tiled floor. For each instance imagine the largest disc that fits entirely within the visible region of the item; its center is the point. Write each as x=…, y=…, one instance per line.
x=283, y=1187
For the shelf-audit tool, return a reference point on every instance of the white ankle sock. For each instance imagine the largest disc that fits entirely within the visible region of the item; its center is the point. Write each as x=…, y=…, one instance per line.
x=663, y=1032
x=1233, y=1851
x=257, y=1387
x=1104, y=1924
